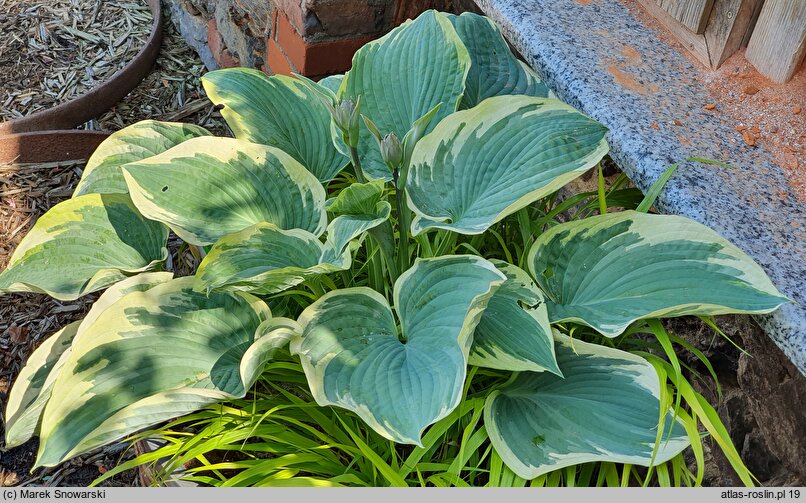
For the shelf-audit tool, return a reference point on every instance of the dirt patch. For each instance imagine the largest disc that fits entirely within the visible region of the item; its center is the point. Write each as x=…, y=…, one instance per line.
x=764, y=114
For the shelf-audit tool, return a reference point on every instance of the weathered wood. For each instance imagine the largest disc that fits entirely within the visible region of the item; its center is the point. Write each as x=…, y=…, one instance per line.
x=694, y=43
x=693, y=14
x=729, y=27
x=778, y=43
x=725, y=31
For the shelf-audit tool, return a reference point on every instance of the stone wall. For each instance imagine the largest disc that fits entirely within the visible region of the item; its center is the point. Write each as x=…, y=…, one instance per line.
x=311, y=37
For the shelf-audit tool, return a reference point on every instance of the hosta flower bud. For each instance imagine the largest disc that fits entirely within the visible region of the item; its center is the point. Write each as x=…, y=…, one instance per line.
x=343, y=114
x=391, y=150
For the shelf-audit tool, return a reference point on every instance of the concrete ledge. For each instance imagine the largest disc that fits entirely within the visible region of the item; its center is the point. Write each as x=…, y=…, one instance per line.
x=655, y=118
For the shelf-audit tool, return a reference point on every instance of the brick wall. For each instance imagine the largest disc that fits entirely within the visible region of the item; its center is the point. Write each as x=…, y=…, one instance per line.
x=311, y=37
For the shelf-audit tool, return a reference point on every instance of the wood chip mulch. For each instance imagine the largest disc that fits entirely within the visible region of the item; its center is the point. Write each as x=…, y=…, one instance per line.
x=54, y=50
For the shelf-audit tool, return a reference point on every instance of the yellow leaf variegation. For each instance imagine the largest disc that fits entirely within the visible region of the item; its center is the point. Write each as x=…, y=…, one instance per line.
x=206, y=188
x=83, y=245
x=610, y=270
x=141, y=140
x=480, y=165
x=605, y=408
x=402, y=76
x=151, y=355
x=353, y=357
x=278, y=111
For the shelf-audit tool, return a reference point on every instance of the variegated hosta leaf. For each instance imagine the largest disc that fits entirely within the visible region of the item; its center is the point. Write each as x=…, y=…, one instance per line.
x=403, y=75
x=610, y=270
x=353, y=358
x=482, y=164
x=141, y=140
x=279, y=111
x=29, y=395
x=360, y=208
x=83, y=245
x=514, y=332
x=357, y=198
x=153, y=355
x=605, y=409
x=32, y=389
x=207, y=188
x=495, y=71
x=345, y=228
x=264, y=259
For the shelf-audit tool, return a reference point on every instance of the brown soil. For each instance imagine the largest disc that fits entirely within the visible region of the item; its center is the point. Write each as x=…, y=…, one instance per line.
x=764, y=113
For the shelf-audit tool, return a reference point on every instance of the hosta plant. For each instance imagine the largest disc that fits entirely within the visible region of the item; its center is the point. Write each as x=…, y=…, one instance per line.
x=349, y=222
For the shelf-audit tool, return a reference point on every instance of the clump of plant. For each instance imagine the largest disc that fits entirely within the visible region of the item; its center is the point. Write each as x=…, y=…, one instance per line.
x=389, y=229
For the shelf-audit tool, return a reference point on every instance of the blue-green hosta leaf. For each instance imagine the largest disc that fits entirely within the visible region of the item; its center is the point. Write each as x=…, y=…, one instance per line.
x=279, y=111
x=153, y=355
x=495, y=71
x=141, y=140
x=83, y=245
x=610, y=270
x=482, y=164
x=353, y=358
x=332, y=82
x=403, y=75
x=264, y=259
x=33, y=385
x=605, y=409
x=206, y=188
x=514, y=332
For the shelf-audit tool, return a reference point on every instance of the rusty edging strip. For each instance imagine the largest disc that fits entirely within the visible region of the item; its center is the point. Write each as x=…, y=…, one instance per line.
x=50, y=146
x=101, y=98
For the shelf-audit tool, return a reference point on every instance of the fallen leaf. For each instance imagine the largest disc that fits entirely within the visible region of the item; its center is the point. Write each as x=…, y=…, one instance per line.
x=19, y=335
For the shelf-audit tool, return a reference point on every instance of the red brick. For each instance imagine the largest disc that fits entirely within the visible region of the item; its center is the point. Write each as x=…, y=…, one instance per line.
x=410, y=9
x=349, y=18
x=214, y=40
x=277, y=62
x=290, y=40
x=225, y=59
x=326, y=58
x=295, y=11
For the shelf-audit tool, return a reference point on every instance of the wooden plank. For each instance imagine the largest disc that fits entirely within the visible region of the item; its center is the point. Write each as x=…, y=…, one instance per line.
x=695, y=44
x=693, y=14
x=778, y=43
x=729, y=27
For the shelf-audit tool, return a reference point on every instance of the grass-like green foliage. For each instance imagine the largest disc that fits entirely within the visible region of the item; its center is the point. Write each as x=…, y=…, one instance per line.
x=392, y=293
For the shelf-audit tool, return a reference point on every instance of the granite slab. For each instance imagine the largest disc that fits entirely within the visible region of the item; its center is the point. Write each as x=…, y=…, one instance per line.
x=597, y=57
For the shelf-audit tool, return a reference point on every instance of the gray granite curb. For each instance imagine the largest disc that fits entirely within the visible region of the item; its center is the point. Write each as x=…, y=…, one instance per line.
x=579, y=49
